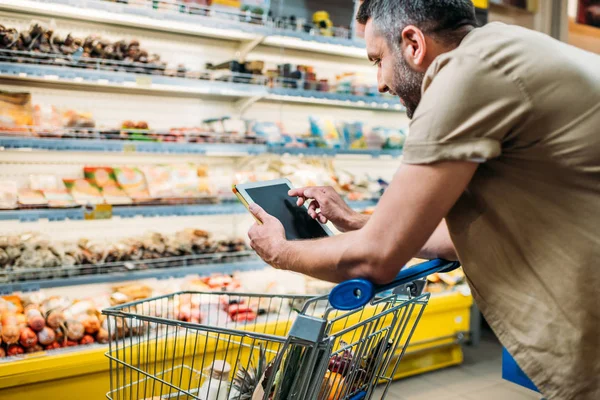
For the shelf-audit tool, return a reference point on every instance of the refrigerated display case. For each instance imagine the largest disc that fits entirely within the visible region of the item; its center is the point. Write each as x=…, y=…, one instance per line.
x=145, y=87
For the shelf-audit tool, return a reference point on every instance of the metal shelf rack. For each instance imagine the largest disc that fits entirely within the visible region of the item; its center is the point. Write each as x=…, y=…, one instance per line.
x=183, y=21
x=58, y=214
x=32, y=279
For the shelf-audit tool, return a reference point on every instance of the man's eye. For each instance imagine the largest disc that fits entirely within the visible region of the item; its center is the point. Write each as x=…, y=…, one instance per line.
x=376, y=63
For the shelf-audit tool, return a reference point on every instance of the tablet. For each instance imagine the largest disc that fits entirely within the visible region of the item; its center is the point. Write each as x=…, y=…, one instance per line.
x=273, y=197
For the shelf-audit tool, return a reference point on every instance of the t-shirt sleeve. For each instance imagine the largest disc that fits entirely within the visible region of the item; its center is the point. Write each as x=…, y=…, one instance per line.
x=468, y=110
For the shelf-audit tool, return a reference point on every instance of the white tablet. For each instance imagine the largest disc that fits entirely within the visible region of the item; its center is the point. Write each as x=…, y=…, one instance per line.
x=273, y=197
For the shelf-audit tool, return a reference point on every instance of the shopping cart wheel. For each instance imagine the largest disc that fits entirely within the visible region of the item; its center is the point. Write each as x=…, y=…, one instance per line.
x=356, y=293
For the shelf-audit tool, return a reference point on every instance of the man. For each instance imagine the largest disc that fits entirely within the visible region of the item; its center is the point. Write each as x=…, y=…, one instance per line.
x=504, y=145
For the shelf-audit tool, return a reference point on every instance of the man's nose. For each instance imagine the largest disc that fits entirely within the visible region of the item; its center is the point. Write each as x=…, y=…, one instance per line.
x=381, y=86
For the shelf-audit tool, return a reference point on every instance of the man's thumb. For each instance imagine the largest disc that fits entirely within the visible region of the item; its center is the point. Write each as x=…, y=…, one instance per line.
x=258, y=212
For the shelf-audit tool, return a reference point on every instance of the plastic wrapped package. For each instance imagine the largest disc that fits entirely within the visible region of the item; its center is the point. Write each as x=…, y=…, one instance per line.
x=8, y=195
x=77, y=119
x=185, y=181
x=394, y=139
x=104, y=179
x=158, y=179
x=269, y=131
x=325, y=130
x=47, y=117
x=31, y=198
x=59, y=198
x=386, y=138
x=133, y=182
x=99, y=176
x=44, y=182
x=114, y=195
x=354, y=135
x=16, y=111
x=83, y=191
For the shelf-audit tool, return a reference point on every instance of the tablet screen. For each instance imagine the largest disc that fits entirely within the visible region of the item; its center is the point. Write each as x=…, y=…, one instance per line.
x=296, y=221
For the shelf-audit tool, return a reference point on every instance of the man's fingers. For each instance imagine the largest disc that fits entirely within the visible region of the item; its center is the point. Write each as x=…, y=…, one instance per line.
x=258, y=212
x=312, y=209
x=300, y=201
x=322, y=219
x=297, y=192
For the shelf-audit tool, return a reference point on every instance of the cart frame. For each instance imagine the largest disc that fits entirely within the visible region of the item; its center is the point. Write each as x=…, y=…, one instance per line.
x=335, y=347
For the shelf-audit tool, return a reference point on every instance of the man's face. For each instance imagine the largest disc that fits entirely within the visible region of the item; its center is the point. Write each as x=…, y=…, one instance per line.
x=394, y=74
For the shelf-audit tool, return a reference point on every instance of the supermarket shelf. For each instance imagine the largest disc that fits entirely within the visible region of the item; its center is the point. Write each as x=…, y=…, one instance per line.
x=164, y=273
x=130, y=82
x=317, y=151
x=125, y=81
x=133, y=146
x=57, y=214
x=185, y=24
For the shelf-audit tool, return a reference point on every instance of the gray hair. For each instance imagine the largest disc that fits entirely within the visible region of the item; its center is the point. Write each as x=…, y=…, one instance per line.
x=443, y=19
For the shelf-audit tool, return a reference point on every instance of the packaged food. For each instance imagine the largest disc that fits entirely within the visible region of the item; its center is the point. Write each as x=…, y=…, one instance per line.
x=15, y=110
x=325, y=130
x=376, y=138
x=234, y=126
x=100, y=176
x=202, y=171
x=59, y=198
x=114, y=195
x=31, y=198
x=158, y=179
x=394, y=139
x=133, y=182
x=44, y=182
x=269, y=131
x=47, y=116
x=185, y=181
x=8, y=195
x=354, y=135
x=77, y=119
x=83, y=191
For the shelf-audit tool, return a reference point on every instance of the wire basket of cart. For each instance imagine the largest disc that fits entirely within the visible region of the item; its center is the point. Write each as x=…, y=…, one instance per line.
x=227, y=345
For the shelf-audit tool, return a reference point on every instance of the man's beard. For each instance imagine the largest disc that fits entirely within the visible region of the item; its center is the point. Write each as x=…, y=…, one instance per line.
x=407, y=85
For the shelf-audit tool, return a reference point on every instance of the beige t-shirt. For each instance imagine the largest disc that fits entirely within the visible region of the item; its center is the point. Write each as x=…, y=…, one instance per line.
x=527, y=229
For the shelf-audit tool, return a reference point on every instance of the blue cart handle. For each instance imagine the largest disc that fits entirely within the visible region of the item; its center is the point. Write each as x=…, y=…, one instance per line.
x=356, y=293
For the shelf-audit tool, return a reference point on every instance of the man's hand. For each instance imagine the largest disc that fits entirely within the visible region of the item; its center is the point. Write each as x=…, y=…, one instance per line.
x=268, y=238
x=328, y=205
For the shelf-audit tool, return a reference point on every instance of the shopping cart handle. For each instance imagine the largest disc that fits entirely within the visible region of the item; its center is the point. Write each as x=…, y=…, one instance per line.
x=356, y=293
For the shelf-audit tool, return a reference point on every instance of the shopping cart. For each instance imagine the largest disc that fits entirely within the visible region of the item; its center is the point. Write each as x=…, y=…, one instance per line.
x=228, y=345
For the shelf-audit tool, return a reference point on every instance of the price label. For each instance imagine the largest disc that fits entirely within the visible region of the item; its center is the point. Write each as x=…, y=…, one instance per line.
x=129, y=148
x=98, y=211
x=143, y=80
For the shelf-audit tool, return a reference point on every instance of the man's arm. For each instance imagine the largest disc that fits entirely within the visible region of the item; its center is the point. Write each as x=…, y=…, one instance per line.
x=327, y=205
x=407, y=215
x=439, y=244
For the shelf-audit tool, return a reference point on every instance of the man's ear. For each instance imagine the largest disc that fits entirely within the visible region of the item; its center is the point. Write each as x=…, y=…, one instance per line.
x=414, y=47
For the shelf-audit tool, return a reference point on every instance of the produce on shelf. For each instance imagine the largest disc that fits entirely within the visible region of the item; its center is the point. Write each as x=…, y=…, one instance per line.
x=39, y=257
x=44, y=45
